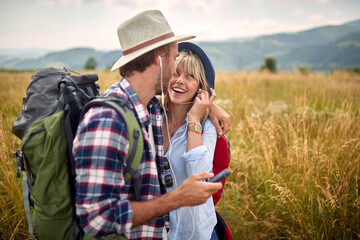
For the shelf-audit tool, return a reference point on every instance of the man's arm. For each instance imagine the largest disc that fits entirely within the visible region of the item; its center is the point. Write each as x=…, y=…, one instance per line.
x=97, y=203
x=217, y=115
x=191, y=193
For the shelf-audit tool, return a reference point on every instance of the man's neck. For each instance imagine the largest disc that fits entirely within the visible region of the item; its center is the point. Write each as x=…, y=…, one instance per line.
x=143, y=84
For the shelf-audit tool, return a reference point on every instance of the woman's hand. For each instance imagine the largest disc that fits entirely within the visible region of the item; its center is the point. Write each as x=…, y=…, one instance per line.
x=201, y=105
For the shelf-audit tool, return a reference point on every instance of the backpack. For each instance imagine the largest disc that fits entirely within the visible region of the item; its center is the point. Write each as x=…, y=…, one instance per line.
x=55, y=101
x=221, y=161
x=222, y=229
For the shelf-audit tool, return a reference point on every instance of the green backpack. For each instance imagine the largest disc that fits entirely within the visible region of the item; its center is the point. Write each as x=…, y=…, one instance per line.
x=51, y=112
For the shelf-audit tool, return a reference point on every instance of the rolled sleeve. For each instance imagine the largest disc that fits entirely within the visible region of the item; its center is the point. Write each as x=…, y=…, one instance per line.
x=196, y=161
x=199, y=159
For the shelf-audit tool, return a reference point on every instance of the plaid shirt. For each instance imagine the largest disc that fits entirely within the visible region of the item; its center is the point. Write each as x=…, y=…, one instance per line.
x=100, y=147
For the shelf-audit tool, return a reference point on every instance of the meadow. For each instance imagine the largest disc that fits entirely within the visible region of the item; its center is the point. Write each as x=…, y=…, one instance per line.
x=295, y=154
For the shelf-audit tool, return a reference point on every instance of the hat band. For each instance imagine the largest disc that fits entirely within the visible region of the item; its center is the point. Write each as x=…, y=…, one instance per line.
x=147, y=43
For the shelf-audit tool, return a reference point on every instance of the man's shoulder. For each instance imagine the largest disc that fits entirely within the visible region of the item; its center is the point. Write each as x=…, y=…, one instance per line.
x=115, y=89
x=102, y=118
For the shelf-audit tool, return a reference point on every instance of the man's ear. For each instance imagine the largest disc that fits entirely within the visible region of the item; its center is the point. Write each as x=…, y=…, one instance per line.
x=160, y=60
x=157, y=57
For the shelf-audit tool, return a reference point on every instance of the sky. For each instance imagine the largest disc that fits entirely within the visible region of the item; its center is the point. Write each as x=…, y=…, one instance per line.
x=64, y=24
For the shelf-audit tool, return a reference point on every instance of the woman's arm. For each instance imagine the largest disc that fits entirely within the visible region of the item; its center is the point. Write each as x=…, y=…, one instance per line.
x=200, y=159
x=200, y=107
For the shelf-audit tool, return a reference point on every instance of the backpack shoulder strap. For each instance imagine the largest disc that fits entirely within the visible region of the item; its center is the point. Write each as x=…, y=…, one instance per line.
x=136, y=143
x=228, y=146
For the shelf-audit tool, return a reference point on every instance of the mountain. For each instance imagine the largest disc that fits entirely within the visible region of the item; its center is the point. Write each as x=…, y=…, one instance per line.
x=319, y=49
x=9, y=54
x=74, y=58
x=355, y=24
x=339, y=54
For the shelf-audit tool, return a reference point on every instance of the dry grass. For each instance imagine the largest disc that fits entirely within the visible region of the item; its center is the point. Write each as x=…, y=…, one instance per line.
x=295, y=148
x=295, y=154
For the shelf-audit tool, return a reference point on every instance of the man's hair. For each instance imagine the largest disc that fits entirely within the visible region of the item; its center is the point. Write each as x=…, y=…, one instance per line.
x=139, y=64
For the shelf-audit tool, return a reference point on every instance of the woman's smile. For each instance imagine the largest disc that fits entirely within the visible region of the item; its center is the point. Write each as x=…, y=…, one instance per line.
x=183, y=86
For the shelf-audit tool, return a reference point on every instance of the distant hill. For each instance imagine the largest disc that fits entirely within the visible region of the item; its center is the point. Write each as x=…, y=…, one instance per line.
x=339, y=54
x=355, y=24
x=74, y=58
x=291, y=50
x=9, y=54
x=319, y=49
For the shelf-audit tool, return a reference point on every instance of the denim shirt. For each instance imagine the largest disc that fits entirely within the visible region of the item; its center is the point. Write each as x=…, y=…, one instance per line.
x=191, y=222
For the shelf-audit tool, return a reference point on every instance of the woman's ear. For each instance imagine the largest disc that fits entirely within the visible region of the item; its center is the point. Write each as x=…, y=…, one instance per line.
x=193, y=99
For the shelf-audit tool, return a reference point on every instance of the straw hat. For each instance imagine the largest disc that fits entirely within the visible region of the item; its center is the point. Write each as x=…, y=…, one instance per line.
x=142, y=33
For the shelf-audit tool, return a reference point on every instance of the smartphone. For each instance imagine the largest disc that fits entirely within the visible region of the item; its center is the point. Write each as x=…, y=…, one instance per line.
x=221, y=175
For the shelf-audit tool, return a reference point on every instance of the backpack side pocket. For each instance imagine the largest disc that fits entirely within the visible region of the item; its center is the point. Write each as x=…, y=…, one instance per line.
x=46, y=156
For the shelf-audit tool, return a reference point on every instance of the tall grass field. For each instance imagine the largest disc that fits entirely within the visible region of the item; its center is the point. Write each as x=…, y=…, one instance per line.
x=295, y=154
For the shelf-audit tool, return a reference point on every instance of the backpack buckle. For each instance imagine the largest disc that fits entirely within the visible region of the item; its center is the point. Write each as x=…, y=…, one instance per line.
x=18, y=155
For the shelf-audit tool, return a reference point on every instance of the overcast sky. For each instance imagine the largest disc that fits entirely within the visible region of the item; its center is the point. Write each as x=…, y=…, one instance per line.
x=63, y=24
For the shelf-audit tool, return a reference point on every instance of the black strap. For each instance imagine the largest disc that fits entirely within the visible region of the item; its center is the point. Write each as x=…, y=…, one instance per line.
x=109, y=102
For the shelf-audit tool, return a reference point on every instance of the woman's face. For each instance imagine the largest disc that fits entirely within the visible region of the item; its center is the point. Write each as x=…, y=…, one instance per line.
x=182, y=86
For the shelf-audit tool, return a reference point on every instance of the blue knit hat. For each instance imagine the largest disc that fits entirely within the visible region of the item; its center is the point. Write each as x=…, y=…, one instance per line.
x=208, y=67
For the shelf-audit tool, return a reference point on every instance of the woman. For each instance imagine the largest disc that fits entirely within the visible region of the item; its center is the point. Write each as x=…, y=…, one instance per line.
x=189, y=138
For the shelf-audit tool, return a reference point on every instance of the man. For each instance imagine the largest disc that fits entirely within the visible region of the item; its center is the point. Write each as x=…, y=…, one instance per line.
x=105, y=203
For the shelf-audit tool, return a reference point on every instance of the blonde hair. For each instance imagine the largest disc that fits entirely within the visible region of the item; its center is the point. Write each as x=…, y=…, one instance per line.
x=192, y=65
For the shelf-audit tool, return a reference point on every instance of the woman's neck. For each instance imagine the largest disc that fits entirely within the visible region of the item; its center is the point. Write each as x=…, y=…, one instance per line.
x=177, y=113
x=176, y=118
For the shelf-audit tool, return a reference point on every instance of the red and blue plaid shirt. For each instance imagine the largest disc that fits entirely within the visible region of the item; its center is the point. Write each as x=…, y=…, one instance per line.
x=100, y=147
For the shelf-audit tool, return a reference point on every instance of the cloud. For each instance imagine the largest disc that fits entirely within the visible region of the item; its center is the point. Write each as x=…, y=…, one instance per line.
x=317, y=17
x=235, y=29
x=55, y=2
x=322, y=1
x=302, y=1
x=253, y=1
x=122, y=5
x=297, y=12
x=338, y=14
x=198, y=5
x=267, y=26
x=134, y=3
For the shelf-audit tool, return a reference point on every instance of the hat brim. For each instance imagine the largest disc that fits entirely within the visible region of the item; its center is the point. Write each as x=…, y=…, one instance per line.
x=208, y=67
x=131, y=56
